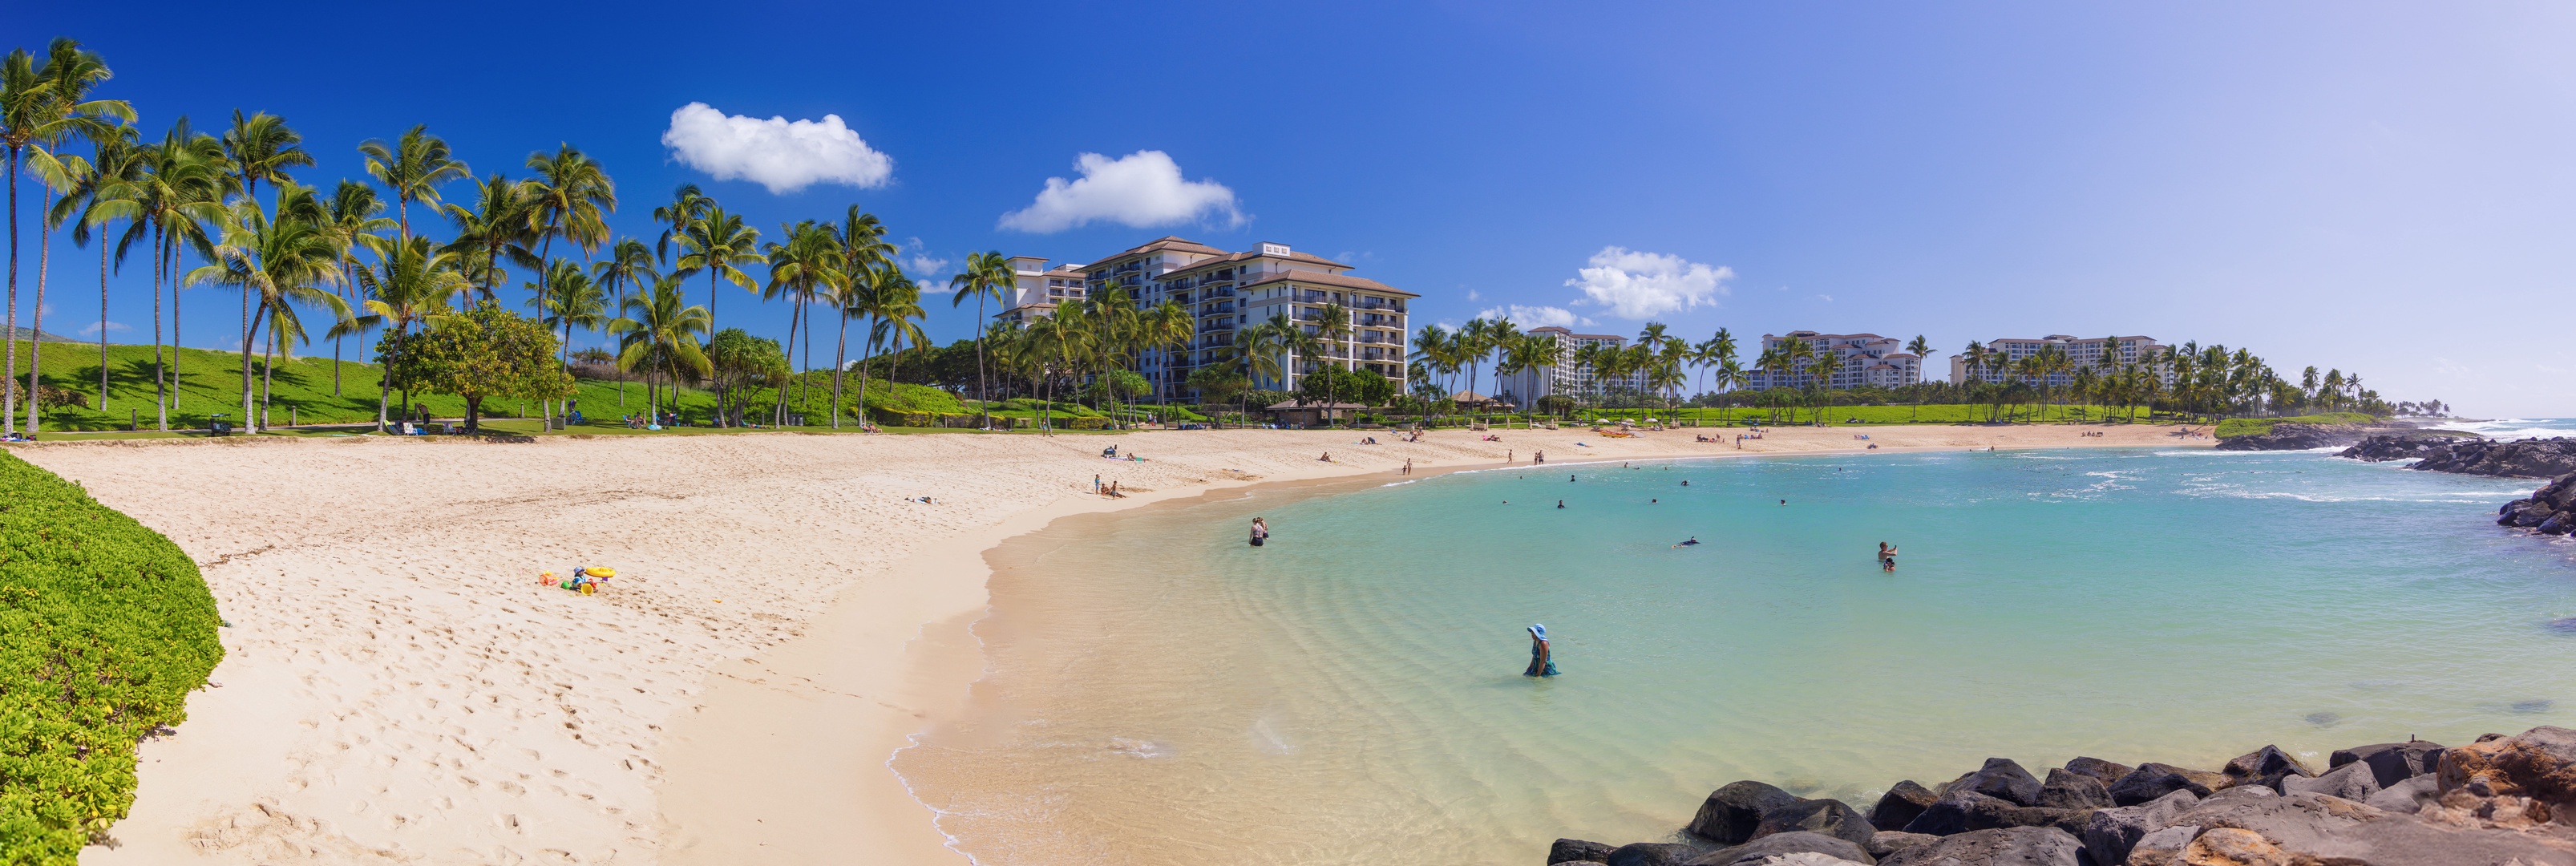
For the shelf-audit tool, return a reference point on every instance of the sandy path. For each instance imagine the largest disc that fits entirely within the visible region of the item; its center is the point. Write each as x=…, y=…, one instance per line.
x=398, y=689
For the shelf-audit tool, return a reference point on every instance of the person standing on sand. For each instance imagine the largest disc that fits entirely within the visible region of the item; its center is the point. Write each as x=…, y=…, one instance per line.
x=1260, y=532
x=1542, y=662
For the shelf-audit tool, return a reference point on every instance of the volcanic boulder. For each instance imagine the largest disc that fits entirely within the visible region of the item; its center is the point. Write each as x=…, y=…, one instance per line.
x=1732, y=813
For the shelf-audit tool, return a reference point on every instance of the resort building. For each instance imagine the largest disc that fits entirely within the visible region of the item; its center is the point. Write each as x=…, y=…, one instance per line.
x=1855, y=360
x=1229, y=291
x=2083, y=352
x=1566, y=376
x=1037, y=289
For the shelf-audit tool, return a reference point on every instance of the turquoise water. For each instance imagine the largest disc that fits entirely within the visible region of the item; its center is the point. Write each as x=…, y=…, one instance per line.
x=1161, y=693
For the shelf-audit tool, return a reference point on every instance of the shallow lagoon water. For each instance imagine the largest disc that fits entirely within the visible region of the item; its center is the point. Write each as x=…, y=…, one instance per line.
x=1160, y=693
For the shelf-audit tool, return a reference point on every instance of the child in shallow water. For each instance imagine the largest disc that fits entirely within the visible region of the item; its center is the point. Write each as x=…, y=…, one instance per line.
x=1542, y=661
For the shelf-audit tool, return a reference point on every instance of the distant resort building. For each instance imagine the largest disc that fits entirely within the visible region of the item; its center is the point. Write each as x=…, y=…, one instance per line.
x=1857, y=360
x=1230, y=291
x=1566, y=376
x=2083, y=352
x=1037, y=289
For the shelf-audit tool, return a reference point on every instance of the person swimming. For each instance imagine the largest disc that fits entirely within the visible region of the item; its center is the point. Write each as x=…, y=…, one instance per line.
x=1694, y=541
x=1560, y=503
x=1886, y=557
x=1542, y=660
x=1685, y=482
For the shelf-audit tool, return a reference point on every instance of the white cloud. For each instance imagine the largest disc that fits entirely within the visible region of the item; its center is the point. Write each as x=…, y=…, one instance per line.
x=1139, y=190
x=1638, y=285
x=922, y=265
x=1825, y=298
x=1473, y=296
x=1535, y=317
x=91, y=329
x=777, y=153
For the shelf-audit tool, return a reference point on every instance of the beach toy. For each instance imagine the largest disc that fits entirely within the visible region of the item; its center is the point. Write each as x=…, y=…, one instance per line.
x=601, y=571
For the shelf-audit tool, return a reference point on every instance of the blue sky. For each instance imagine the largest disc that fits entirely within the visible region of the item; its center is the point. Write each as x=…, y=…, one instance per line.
x=2376, y=187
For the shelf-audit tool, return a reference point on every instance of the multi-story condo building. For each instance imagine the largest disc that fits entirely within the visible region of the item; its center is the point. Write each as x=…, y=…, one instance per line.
x=1566, y=375
x=2083, y=352
x=1037, y=289
x=1229, y=291
x=1855, y=360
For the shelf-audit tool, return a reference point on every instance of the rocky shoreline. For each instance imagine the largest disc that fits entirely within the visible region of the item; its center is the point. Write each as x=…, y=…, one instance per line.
x=2301, y=437
x=2501, y=801
x=2520, y=458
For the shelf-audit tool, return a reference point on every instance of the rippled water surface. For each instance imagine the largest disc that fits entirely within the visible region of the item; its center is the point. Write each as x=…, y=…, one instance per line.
x=1163, y=694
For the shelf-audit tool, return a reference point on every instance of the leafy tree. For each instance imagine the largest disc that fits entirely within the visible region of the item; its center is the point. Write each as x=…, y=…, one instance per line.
x=482, y=353
x=742, y=362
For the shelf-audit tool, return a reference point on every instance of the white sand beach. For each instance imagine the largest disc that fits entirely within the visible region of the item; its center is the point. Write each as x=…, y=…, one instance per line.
x=399, y=689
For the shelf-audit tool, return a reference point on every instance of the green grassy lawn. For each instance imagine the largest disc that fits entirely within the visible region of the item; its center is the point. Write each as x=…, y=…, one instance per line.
x=210, y=381
x=2258, y=426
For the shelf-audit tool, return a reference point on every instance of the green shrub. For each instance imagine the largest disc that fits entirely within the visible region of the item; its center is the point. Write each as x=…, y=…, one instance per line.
x=1089, y=422
x=105, y=626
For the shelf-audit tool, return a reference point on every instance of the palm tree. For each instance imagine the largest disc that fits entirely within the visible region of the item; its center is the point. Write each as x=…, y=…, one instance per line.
x=1730, y=375
x=567, y=298
x=502, y=221
x=869, y=289
x=1169, y=327
x=40, y=108
x=687, y=206
x=1432, y=348
x=1922, y=350
x=116, y=164
x=287, y=258
x=659, y=335
x=799, y=270
x=354, y=223
x=414, y=284
x=412, y=168
x=629, y=263
x=178, y=197
x=987, y=276
x=259, y=147
x=1257, y=347
x=1332, y=323
x=717, y=243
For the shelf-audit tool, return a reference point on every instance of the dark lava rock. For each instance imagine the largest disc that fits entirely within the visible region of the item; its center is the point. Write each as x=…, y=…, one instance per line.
x=1732, y=813
x=2551, y=510
x=2521, y=458
x=2010, y=846
x=2110, y=833
x=2407, y=797
x=2354, y=782
x=1779, y=844
x=2152, y=780
x=1650, y=854
x=2334, y=830
x=2403, y=445
x=1577, y=850
x=2071, y=790
x=1962, y=811
x=2391, y=763
x=1900, y=805
x=2001, y=778
x=1887, y=842
x=2104, y=771
x=1829, y=817
x=2266, y=766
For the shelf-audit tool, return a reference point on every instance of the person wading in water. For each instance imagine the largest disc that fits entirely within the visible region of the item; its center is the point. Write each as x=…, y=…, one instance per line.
x=1542, y=663
x=1260, y=532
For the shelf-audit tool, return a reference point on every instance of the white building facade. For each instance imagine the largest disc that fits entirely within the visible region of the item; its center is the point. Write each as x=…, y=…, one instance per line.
x=1231, y=291
x=1852, y=361
x=1566, y=375
x=2009, y=351
x=1036, y=289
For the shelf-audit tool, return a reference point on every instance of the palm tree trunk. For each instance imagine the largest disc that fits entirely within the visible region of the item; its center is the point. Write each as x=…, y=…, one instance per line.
x=840, y=359
x=249, y=424
x=778, y=416
x=385, y=381
x=36, y=321
x=983, y=399
x=9, y=391
x=102, y=319
x=267, y=375
x=160, y=386
x=723, y=389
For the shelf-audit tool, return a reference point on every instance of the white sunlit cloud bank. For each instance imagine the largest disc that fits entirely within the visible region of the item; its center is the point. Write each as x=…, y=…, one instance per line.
x=1140, y=190
x=1534, y=317
x=779, y=154
x=1633, y=284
